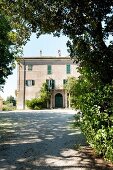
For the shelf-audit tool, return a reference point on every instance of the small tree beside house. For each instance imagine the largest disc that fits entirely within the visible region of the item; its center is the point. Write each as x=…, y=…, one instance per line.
x=41, y=102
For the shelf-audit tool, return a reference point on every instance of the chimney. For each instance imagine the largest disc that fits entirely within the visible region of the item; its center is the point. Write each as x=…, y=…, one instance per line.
x=40, y=53
x=59, y=53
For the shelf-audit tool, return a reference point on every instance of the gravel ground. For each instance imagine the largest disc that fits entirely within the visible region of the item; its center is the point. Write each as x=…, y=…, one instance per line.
x=42, y=140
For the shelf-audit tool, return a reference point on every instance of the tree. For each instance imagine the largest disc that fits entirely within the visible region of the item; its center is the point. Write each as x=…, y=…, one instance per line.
x=95, y=101
x=45, y=93
x=6, y=54
x=10, y=99
x=88, y=24
x=13, y=35
x=42, y=101
x=70, y=86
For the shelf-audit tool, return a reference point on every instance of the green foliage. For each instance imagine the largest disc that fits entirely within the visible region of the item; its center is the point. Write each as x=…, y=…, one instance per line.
x=41, y=102
x=20, y=31
x=44, y=92
x=8, y=107
x=9, y=104
x=36, y=104
x=95, y=103
x=5, y=108
x=13, y=34
x=6, y=54
x=69, y=86
x=88, y=25
x=9, y=100
x=77, y=121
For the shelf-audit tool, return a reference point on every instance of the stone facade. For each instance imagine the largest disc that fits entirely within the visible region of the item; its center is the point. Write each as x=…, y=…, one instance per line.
x=34, y=71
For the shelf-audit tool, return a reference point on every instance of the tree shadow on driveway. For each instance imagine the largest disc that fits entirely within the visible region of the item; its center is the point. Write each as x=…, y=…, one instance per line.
x=41, y=140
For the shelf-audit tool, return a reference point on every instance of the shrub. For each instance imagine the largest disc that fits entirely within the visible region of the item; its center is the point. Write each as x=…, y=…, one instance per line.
x=36, y=103
x=8, y=107
x=5, y=108
x=98, y=120
x=41, y=102
x=96, y=105
x=9, y=100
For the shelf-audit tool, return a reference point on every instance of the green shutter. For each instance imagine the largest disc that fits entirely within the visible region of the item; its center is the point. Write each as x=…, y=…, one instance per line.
x=49, y=69
x=68, y=69
x=53, y=84
x=64, y=81
x=48, y=84
x=33, y=82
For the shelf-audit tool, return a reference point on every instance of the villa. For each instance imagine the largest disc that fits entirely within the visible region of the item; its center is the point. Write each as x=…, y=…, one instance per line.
x=32, y=72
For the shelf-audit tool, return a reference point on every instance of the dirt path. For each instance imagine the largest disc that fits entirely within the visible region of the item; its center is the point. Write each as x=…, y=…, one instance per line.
x=41, y=140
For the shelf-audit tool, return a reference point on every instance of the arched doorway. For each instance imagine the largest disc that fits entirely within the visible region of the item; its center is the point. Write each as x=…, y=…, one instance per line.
x=58, y=100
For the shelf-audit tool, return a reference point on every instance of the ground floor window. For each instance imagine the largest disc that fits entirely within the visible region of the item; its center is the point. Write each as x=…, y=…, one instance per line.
x=30, y=82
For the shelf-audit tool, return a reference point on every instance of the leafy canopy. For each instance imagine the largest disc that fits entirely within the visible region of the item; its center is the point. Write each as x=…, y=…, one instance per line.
x=6, y=54
x=87, y=23
x=13, y=34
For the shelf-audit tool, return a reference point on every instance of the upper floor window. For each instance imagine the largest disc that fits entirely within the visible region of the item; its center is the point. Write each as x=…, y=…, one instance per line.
x=49, y=69
x=30, y=82
x=68, y=69
x=30, y=67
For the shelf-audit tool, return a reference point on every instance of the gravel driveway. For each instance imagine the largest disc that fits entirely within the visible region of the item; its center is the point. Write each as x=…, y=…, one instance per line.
x=41, y=140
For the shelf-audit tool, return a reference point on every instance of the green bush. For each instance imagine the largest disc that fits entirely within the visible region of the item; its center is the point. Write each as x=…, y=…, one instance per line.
x=8, y=107
x=10, y=100
x=5, y=108
x=41, y=102
x=96, y=105
x=36, y=104
x=98, y=120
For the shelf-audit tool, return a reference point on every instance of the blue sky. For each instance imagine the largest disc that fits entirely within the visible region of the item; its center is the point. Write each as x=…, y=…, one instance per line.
x=49, y=46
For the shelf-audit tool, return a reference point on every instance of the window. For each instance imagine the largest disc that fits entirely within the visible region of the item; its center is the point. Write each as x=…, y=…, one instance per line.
x=64, y=81
x=30, y=82
x=49, y=69
x=51, y=84
x=68, y=70
x=30, y=67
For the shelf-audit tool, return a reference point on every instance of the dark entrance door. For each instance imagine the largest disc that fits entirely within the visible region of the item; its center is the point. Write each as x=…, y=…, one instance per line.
x=58, y=100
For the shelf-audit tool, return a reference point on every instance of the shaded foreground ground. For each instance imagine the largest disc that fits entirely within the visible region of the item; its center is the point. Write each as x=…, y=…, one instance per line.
x=43, y=140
